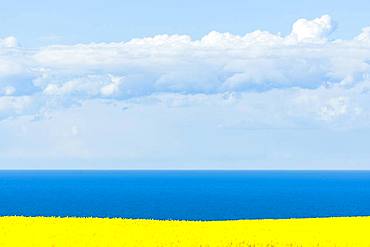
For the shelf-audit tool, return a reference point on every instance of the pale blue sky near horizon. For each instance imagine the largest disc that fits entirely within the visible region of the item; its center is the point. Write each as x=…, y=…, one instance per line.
x=185, y=84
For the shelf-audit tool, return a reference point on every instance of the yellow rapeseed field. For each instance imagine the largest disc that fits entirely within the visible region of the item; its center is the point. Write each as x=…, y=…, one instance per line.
x=47, y=231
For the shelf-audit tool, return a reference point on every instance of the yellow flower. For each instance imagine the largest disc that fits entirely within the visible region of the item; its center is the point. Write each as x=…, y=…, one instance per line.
x=79, y=232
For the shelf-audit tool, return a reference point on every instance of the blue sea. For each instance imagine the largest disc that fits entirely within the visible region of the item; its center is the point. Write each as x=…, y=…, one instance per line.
x=185, y=195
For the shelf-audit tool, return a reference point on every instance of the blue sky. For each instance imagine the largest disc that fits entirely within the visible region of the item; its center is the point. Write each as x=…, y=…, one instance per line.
x=185, y=85
x=36, y=23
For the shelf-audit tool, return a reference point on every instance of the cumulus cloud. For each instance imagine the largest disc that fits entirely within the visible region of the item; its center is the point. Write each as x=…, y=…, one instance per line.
x=313, y=72
x=364, y=35
x=316, y=30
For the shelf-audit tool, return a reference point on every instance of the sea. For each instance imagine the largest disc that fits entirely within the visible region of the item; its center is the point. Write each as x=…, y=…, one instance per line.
x=185, y=195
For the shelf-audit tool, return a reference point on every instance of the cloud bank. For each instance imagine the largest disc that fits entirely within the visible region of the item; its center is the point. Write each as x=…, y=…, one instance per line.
x=304, y=75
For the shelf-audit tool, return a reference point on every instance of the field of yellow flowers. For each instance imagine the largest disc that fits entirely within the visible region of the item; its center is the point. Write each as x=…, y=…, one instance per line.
x=48, y=231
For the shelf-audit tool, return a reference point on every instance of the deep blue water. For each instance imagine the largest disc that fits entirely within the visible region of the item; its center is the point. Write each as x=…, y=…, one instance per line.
x=191, y=195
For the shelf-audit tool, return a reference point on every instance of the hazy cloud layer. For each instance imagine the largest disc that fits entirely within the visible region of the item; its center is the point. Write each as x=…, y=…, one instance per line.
x=304, y=75
x=257, y=101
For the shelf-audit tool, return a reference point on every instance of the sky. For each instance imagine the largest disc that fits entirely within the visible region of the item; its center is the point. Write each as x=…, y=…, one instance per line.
x=39, y=22
x=185, y=85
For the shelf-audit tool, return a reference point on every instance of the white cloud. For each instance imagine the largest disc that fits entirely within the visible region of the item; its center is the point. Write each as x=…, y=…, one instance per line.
x=218, y=62
x=8, y=42
x=364, y=35
x=7, y=91
x=11, y=106
x=112, y=88
x=319, y=77
x=334, y=108
x=316, y=30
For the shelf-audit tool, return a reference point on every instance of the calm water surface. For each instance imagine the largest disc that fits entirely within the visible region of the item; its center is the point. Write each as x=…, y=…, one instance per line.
x=190, y=195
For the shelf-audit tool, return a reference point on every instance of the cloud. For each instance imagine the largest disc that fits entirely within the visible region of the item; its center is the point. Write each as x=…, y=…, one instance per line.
x=276, y=129
x=11, y=106
x=113, y=87
x=314, y=72
x=316, y=30
x=364, y=35
x=7, y=91
x=8, y=42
